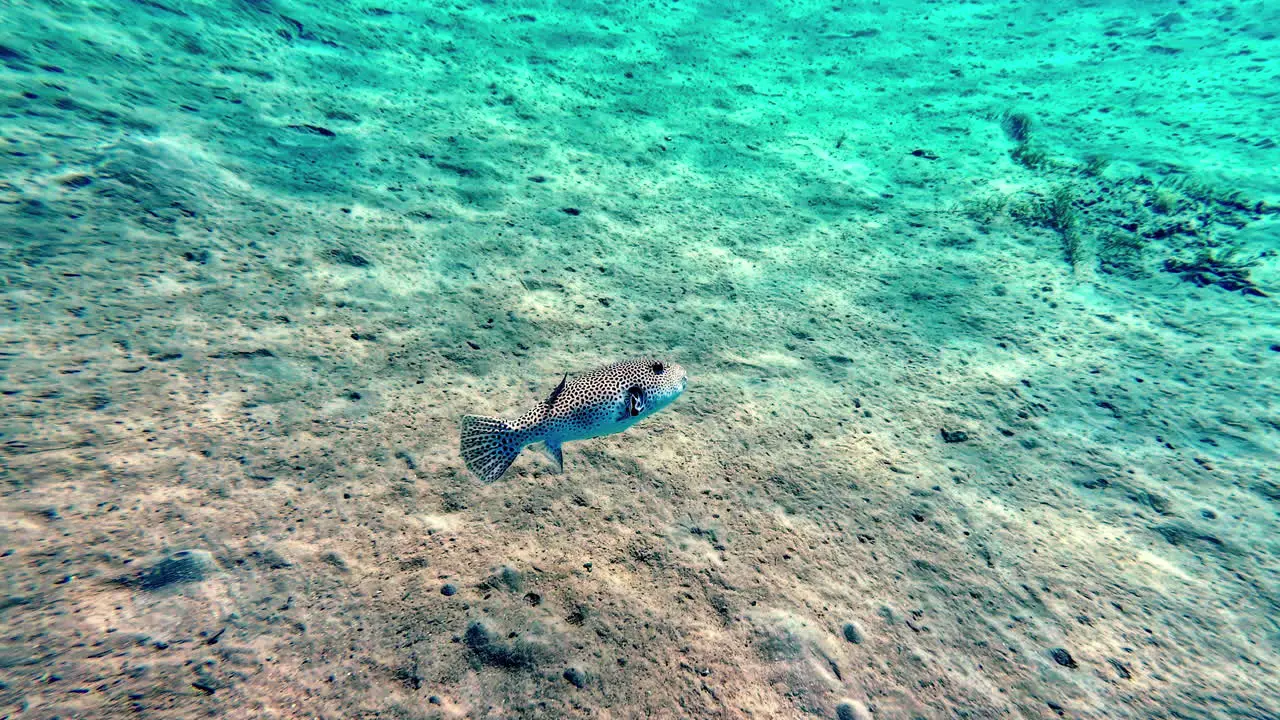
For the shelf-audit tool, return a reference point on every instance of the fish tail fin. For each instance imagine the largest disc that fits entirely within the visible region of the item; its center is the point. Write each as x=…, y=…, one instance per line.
x=489, y=446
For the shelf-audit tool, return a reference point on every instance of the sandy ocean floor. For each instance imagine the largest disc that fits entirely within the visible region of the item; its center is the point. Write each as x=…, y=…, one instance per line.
x=978, y=303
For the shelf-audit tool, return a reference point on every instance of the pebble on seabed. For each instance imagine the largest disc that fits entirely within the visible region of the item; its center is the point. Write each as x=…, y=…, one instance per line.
x=448, y=590
x=1062, y=657
x=852, y=711
x=575, y=676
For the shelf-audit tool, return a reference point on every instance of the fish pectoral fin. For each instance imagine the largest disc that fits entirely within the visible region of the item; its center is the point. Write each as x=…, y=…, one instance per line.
x=555, y=452
x=634, y=403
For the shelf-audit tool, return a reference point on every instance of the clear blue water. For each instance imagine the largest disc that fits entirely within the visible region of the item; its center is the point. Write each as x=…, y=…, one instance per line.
x=976, y=301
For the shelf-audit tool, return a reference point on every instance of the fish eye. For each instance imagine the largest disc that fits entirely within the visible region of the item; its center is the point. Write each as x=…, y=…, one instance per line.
x=658, y=368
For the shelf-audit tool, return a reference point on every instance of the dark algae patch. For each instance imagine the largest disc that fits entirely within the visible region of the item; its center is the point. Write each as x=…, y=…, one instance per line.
x=486, y=649
x=179, y=568
x=1227, y=268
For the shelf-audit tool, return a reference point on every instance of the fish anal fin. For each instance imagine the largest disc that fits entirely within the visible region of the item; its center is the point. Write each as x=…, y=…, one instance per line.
x=555, y=452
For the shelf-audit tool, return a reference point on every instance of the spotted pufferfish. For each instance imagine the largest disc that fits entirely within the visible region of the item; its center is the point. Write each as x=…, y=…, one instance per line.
x=600, y=402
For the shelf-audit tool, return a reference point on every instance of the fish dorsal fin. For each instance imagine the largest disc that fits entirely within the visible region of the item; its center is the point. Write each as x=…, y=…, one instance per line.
x=551, y=399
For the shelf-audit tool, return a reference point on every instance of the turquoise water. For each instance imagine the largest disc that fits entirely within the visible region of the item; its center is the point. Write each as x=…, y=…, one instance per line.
x=976, y=300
